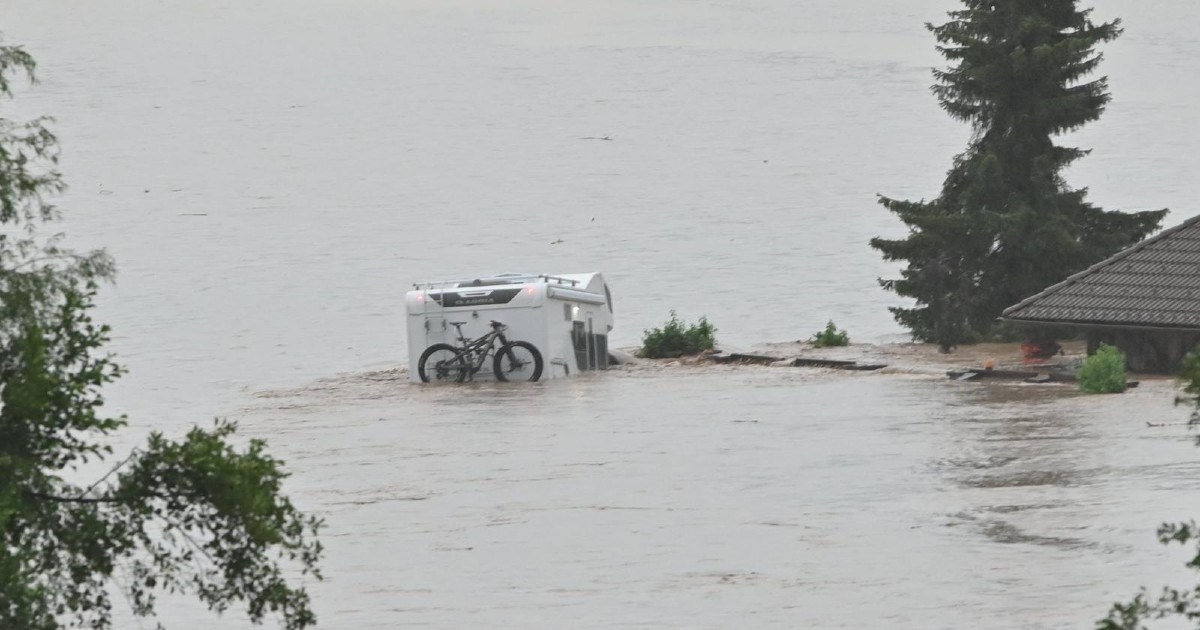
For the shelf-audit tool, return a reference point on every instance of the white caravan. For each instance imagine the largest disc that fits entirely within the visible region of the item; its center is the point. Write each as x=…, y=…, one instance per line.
x=566, y=317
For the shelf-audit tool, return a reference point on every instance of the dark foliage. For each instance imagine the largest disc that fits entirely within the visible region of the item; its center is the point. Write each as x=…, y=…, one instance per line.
x=1006, y=225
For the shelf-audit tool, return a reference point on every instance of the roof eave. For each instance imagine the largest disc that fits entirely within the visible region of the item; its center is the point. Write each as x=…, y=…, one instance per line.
x=1098, y=325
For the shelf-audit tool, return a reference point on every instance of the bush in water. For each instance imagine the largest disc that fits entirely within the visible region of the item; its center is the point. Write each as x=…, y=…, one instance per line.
x=675, y=339
x=831, y=336
x=1103, y=372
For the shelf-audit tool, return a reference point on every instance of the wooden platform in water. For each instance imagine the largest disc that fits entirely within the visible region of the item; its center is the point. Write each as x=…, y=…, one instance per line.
x=1029, y=376
x=737, y=357
x=836, y=364
x=762, y=359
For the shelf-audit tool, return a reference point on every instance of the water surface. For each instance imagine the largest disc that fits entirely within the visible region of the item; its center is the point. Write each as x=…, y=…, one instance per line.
x=272, y=175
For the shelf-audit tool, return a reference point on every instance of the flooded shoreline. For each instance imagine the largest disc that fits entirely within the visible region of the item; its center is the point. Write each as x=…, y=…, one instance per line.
x=749, y=494
x=272, y=176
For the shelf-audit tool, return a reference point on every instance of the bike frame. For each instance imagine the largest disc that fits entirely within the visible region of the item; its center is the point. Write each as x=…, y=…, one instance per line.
x=475, y=352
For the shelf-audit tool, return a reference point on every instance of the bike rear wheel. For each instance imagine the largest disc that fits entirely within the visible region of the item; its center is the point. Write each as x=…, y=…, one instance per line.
x=442, y=363
x=518, y=361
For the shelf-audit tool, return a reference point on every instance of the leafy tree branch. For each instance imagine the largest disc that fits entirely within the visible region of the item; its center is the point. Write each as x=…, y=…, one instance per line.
x=201, y=515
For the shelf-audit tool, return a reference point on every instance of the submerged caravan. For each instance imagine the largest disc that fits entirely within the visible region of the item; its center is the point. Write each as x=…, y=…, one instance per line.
x=510, y=327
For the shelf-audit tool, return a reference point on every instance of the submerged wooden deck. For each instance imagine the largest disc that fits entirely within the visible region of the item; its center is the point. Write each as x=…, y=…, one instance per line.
x=762, y=359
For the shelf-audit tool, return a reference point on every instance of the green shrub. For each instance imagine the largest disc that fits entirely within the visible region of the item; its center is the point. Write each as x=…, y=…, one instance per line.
x=675, y=340
x=1103, y=372
x=831, y=336
x=1189, y=376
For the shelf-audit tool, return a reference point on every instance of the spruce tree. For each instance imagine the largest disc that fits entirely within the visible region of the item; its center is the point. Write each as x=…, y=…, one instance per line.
x=1006, y=225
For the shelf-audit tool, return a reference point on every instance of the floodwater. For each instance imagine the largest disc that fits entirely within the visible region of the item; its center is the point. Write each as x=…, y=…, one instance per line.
x=733, y=496
x=272, y=175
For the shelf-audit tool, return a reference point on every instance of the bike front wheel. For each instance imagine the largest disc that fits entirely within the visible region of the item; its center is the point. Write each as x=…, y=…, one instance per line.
x=442, y=363
x=518, y=361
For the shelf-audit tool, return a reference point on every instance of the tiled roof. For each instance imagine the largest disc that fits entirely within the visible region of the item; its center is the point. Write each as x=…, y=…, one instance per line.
x=1154, y=283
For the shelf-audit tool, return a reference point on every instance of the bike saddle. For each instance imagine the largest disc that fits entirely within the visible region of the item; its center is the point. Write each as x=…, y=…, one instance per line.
x=458, y=323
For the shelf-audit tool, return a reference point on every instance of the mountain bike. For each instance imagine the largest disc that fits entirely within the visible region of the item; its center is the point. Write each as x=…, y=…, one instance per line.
x=513, y=361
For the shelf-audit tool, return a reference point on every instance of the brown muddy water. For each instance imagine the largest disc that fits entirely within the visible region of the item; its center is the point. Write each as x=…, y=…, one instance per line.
x=732, y=496
x=273, y=175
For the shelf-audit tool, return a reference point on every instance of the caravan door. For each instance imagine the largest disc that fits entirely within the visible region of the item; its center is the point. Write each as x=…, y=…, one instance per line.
x=435, y=329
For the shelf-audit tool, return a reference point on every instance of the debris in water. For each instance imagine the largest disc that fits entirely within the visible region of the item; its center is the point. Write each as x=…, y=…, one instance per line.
x=755, y=359
x=836, y=364
x=1011, y=375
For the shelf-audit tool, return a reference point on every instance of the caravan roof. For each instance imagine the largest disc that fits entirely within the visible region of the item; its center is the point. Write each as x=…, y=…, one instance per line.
x=501, y=279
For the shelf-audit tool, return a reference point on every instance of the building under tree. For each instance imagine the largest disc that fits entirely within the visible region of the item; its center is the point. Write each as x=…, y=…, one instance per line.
x=1144, y=300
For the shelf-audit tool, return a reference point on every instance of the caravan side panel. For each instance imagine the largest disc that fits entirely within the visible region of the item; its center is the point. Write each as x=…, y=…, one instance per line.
x=568, y=318
x=432, y=315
